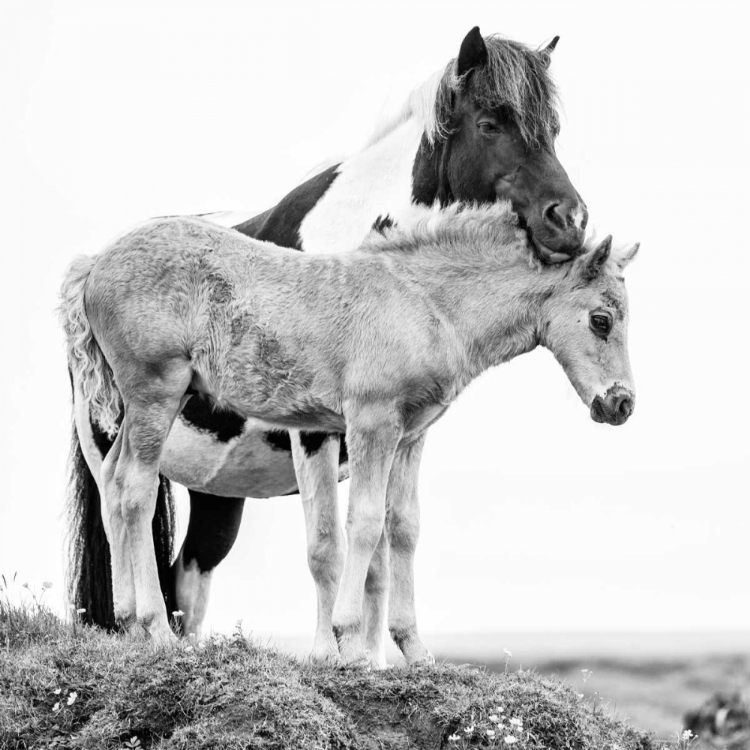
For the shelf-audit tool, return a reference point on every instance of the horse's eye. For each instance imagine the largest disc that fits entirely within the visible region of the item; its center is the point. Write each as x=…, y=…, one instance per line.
x=488, y=127
x=600, y=322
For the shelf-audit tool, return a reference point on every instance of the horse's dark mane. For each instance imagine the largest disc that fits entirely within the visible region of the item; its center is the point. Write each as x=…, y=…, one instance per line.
x=515, y=76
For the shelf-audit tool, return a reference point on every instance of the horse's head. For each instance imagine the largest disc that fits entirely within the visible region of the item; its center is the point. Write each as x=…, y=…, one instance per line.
x=496, y=122
x=585, y=326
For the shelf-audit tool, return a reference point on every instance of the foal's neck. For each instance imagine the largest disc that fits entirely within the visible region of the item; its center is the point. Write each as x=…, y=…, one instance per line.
x=495, y=308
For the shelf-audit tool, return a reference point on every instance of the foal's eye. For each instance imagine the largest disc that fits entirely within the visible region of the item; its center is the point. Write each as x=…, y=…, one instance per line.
x=600, y=322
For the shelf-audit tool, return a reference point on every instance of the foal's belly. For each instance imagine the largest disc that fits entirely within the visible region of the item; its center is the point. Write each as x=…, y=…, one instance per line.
x=246, y=465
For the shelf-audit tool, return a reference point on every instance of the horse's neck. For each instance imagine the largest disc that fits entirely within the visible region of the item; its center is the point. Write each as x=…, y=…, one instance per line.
x=373, y=184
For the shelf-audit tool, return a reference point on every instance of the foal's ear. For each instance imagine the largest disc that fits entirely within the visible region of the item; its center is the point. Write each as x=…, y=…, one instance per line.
x=592, y=262
x=473, y=53
x=546, y=53
x=628, y=256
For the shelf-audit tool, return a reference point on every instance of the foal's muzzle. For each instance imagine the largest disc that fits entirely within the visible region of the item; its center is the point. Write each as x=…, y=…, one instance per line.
x=614, y=407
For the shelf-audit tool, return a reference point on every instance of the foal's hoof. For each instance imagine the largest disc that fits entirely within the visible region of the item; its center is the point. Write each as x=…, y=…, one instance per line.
x=357, y=660
x=162, y=637
x=425, y=660
x=325, y=655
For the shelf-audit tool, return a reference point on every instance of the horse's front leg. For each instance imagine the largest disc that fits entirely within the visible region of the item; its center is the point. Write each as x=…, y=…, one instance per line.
x=372, y=436
x=402, y=527
x=316, y=466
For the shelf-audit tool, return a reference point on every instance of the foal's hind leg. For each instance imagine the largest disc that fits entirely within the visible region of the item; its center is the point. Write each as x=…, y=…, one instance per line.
x=317, y=479
x=123, y=587
x=131, y=477
x=113, y=520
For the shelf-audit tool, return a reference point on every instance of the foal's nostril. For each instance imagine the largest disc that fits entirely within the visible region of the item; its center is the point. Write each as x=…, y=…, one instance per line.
x=625, y=406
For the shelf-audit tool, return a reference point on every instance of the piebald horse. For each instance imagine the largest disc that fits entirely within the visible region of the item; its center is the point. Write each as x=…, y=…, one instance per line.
x=376, y=343
x=482, y=129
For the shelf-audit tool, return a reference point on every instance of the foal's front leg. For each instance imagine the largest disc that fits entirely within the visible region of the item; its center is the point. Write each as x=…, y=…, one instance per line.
x=403, y=532
x=372, y=437
x=317, y=480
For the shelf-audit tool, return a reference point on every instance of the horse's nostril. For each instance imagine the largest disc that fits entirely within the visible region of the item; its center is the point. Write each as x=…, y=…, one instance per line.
x=554, y=216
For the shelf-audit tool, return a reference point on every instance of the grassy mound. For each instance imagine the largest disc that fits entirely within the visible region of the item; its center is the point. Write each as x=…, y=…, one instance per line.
x=75, y=687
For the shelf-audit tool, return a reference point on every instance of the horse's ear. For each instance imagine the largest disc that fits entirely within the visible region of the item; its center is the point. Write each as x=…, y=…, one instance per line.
x=546, y=53
x=473, y=53
x=628, y=256
x=592, y=262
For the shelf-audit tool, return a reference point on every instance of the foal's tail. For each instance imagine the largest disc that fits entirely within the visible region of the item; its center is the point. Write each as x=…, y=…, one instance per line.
x=90, y=572
x=88, y=367
x=89, y=575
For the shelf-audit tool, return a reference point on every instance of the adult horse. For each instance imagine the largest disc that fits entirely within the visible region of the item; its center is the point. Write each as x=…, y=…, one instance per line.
x=377, y=342
x=481, y=129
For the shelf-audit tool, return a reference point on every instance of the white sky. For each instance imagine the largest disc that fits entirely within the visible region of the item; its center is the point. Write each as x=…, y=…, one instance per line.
x=534, y=517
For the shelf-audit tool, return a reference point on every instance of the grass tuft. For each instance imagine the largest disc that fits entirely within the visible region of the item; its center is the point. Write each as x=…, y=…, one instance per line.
x=77, y=687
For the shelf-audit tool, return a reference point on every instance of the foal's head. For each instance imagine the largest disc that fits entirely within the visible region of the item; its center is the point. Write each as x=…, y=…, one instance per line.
x=496, y=124
x=585, y=326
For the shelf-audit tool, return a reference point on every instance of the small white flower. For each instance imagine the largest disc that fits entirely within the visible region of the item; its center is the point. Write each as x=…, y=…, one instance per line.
x=508, y=653
x=580, y=696
x=72, y=698
x=586, y=674
x=469, y=729
x=490, y=732
x=46, y=585
x=178, y=613
x=516, y=722
x=56, y=707
x=510, y=739
x=58, y=691
x=454, y=738
x=494, y=718
x=81, y=611
x=687, y=735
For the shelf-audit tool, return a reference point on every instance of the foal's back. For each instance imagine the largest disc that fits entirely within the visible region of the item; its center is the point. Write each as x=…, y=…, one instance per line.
x=268, y=331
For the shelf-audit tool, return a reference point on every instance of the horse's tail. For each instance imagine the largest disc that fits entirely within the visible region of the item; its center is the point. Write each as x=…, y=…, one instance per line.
x=90, y=572
x=87, y=364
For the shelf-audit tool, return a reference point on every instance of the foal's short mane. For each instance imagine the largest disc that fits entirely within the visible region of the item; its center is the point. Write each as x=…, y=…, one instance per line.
x=515, y=76
x=479, y=229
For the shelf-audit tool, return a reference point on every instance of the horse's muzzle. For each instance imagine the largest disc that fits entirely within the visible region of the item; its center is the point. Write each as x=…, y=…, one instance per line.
x=560, y=234
x=614, y=407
